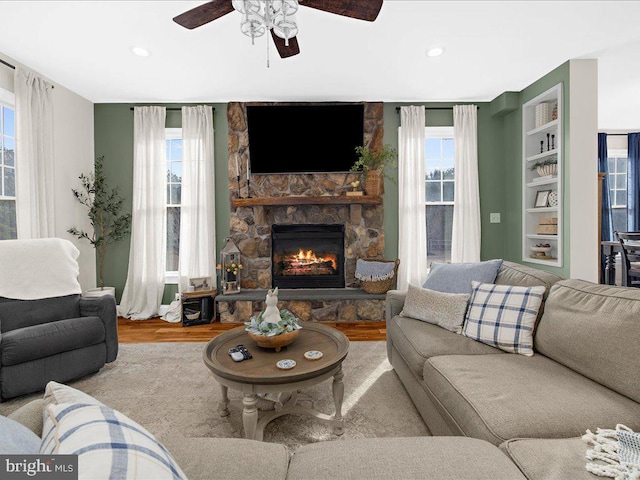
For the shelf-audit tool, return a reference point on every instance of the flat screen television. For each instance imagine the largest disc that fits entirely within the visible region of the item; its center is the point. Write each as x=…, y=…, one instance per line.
x=304, y=138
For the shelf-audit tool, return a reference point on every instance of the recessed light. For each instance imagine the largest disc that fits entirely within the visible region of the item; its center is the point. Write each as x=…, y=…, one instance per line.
x=140, y=51
x=435, y=52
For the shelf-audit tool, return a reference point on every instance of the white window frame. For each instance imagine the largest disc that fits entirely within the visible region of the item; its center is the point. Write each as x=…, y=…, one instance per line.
x=617, y=153
x=8, y=100
x=438, y=132
x=172, y=277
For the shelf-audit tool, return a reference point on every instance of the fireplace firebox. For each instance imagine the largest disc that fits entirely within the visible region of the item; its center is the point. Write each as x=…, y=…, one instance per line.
x=307, y=256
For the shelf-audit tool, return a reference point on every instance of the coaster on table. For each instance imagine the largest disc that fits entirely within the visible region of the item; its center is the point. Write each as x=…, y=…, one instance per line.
x=313, y=355
x=286, y=364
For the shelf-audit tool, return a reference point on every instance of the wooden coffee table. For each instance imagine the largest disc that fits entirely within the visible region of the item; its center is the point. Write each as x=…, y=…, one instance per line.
x=260, y=375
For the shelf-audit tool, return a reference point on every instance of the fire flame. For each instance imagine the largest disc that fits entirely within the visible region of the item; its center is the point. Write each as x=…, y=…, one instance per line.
x=308, y=257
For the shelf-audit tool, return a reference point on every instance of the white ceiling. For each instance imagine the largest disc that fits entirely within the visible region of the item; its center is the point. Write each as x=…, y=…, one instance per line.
x=491, y=47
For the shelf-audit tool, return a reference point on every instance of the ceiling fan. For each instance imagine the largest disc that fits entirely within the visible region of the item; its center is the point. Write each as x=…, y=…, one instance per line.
x=276, y=16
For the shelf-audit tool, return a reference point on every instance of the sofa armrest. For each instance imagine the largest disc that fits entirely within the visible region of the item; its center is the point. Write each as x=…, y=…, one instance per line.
x=394, y=303
x=30, y=415
x=105, y=309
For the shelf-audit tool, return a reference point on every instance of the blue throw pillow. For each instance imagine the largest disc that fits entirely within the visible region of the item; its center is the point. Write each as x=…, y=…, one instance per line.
x=16, y=439
x=457, y=277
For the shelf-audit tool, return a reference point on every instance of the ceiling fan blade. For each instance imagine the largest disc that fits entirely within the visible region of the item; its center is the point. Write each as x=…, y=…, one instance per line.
x=361, y=9
x=203, y=14
x=283, y=50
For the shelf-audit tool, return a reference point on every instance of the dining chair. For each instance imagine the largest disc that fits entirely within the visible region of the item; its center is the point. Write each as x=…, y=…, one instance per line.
x=630, y=247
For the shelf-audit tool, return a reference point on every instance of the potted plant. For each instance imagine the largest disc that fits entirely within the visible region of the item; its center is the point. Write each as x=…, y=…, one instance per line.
x=106, y=217
x=548, y=166
x=372, y=164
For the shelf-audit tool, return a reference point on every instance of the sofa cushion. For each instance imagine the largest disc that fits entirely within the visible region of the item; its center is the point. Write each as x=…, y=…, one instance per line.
x=515, y=274
x=417, y=341
x=108, y=443
x=457, y=277
x=56, y=393
x=30, y=415
x=39, y=341
x=503, y=316
x=500, y=397
x=438, y=308
x=546, y=459
x=595, y=330
x=16, y=439
x=426, y=458
x=26, y=313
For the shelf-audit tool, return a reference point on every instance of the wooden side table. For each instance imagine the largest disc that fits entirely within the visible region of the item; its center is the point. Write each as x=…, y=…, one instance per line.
x=260, y=375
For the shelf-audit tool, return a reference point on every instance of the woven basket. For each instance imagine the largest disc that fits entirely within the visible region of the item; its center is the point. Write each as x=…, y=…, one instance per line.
x=374, y=183
x=383, y=286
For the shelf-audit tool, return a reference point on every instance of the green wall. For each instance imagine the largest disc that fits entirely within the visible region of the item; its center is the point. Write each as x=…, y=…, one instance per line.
x=512, y=153
x=114, y=139
x=490, y=172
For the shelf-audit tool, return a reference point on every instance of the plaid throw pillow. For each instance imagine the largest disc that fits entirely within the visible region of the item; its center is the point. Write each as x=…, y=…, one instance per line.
x=503, y=316
x=109, y=445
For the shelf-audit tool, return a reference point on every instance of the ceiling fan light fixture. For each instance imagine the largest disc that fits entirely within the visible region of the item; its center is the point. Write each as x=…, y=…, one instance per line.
x=435, y=52
x=140, y=51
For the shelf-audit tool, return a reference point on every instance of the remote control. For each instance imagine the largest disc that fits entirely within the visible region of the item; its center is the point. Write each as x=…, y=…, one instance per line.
x=239, y=353
x=237, y=357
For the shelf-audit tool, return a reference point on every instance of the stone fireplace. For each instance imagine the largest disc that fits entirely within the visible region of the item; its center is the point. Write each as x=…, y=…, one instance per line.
x=307, y=256
x=251, y=225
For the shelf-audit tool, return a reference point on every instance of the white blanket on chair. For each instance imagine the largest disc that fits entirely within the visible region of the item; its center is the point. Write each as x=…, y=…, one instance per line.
x=42, y=268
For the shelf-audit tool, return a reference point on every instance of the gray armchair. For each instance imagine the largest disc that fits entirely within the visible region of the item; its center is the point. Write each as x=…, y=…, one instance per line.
x=60, y=338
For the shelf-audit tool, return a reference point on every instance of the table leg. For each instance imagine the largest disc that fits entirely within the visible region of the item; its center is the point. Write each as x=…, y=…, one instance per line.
x=250, y=415
x=610, y=268
x=338, y=396
x=224, y=403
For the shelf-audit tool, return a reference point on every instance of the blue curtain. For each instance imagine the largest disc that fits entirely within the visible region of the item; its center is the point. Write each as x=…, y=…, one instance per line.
x=603, y=166
x=633, y=183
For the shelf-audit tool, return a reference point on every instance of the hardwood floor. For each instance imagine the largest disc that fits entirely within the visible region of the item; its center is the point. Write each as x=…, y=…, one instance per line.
x=156, y=330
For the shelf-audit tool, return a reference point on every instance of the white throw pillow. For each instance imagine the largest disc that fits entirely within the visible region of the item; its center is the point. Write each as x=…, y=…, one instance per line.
x=438, y=308
x=56, y=393
x=108, y=444
x=503, y=316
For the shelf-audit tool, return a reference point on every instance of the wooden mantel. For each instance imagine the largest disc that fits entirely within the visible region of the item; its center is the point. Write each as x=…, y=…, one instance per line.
x=307, y=200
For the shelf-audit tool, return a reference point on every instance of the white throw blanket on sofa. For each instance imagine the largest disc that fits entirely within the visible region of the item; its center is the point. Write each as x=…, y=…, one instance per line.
x=42, y=268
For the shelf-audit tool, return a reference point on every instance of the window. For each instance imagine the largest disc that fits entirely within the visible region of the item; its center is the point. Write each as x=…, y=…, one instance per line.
x=439, y=178
x=7, y=171
x=618, y=188
x=174, y=190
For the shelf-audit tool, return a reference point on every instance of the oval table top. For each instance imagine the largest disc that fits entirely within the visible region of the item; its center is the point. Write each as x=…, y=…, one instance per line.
x=262, y=370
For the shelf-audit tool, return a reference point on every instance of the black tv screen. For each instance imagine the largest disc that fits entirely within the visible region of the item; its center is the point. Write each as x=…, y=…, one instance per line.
x=304, y=138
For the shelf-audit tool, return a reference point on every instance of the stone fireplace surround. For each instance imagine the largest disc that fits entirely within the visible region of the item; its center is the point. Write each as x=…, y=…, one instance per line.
x=250, y=227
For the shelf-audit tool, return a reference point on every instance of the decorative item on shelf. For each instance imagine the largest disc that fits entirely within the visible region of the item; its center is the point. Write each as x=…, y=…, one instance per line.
x=547, y=226
x=548, y=142
x=547, y=167
x=199, y=284
x=273, y=328
x=355, y=192
x=376, y=276
x=541, y=146
x=554, y=115
x=230, y=267
x=542, y=114
x=553, y=198
x=373, y=164
x=542, y=198
x=541, y=251
x=553, y=142
x=105, y=214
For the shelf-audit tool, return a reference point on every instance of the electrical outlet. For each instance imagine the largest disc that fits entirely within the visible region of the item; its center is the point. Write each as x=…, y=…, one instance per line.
x=494, y=218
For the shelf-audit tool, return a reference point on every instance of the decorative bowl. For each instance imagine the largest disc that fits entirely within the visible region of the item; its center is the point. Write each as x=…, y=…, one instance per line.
x=276, y=341
x=545, y=170
x=541, y=249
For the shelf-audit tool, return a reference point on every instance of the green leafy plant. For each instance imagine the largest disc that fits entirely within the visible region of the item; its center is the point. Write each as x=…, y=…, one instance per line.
x=105, y=213
x=548, y=161
x=288, y=323
x=369, y=160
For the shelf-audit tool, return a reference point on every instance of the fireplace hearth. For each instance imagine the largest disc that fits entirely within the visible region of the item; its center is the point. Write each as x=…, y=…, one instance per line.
x=307, y=256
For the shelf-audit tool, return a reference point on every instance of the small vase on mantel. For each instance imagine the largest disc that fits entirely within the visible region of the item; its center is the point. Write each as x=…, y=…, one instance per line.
x=374, y=184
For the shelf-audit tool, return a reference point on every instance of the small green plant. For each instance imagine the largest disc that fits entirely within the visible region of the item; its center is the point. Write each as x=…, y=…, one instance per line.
x=369, y=160
x=548, y=161
x=105, y=213
x=288, y=323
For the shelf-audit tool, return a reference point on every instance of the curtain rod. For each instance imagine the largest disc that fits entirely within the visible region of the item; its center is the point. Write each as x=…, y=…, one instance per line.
x=7, y=64
x=170, y=109
x=434, y=108
x=615, y=134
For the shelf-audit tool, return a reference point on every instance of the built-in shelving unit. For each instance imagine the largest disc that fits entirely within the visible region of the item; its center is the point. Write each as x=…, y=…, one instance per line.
x=533, y=151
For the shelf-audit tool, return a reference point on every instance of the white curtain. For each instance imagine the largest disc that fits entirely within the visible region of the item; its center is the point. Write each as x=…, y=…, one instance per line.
x=34, y=171
x=412, y=235
x=143, y=291
x=465, y=235
x=197, y=211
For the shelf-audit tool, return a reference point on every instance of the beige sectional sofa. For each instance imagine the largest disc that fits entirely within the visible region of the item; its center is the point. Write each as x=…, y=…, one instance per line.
x=583, y=375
